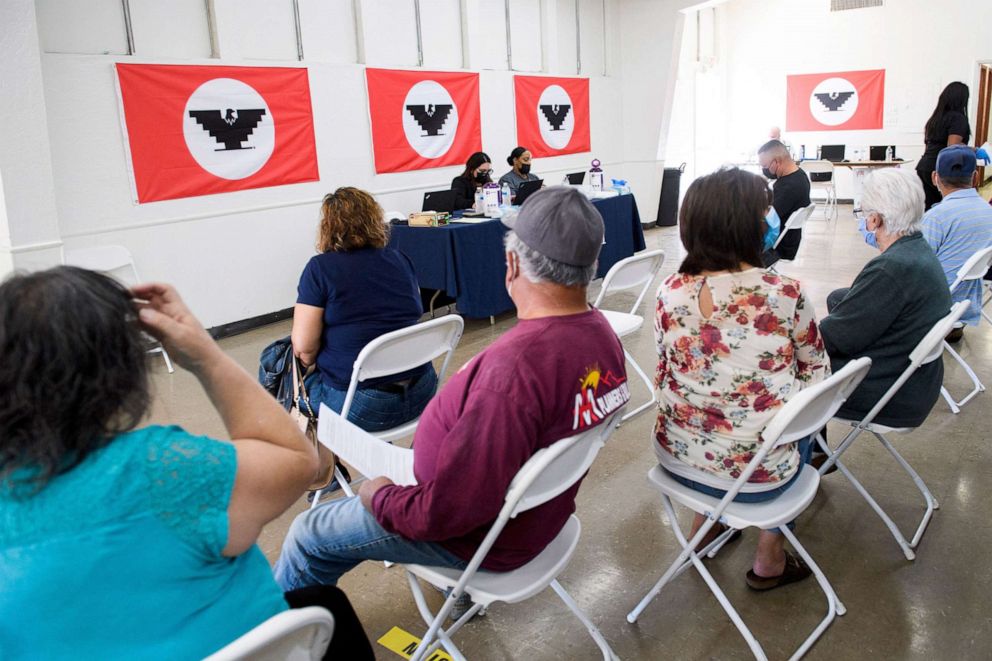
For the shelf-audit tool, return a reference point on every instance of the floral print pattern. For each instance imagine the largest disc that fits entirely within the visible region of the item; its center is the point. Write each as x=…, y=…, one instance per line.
x=723, y=378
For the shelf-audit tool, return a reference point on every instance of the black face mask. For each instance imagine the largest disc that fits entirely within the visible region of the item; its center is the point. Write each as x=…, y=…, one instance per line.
x=768, y=173
x=525, y=168
x=481, y=177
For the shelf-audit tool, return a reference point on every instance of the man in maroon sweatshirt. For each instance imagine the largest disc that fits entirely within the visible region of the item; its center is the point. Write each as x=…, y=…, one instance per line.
x=558, y=372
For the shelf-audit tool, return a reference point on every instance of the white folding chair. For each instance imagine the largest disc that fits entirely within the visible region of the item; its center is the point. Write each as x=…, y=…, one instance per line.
x=395, y=353
x=300, y=634
x=974, y=269
x=637, y=271
x=548, y=473
x=804, y=414
x=795, y=222
x=821, y=178
x=116, y=262
x=928, y=350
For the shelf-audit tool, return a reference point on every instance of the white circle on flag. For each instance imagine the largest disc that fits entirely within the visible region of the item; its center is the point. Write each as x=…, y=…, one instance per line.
x=430, y=119
x=228, y=128
x=555, y=116
x=833, y=101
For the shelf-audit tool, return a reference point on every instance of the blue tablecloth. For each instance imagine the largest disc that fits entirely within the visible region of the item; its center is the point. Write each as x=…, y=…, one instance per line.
x=467, y=262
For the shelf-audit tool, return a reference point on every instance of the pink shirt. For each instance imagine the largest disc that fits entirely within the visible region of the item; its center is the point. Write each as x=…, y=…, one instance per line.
x=543, y=381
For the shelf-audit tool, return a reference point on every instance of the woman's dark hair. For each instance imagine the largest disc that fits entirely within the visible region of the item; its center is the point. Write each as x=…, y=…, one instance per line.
x=474, y=161
x=721, y=222
x=514, y=155
x=73, y=375
x=954, y=97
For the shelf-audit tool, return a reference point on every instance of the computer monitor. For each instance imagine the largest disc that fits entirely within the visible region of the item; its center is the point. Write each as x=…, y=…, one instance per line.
x=439, y=200
x=576, y=178
x=879, y=152
x=526, y=189
x=833, y=153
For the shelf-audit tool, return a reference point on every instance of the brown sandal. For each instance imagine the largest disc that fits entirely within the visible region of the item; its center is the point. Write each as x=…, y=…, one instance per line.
x=715, y=532
x=795, y=570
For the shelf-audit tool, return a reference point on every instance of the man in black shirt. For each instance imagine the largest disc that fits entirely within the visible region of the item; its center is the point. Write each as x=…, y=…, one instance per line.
x=791, y=193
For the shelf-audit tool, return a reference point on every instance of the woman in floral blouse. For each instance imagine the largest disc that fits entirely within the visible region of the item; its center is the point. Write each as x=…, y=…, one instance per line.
x=735, y=341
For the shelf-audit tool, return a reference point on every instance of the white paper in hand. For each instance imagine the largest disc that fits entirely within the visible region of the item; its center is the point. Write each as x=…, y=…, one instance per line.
x=371, y=456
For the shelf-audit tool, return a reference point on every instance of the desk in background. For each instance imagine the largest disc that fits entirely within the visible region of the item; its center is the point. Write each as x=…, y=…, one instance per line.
x=468, y=262
x=860, y=169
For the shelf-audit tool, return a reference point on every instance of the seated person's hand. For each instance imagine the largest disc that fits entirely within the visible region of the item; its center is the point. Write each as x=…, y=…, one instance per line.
x=165, y=316
x=368, y=489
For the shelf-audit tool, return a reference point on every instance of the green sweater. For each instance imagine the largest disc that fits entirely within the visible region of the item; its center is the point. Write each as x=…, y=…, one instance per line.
x=893, y=303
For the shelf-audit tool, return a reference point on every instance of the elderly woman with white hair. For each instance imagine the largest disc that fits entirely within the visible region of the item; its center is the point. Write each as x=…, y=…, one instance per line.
x=893, y=303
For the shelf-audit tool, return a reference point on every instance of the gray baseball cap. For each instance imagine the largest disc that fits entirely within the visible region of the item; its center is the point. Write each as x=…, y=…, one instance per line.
x=561, y=223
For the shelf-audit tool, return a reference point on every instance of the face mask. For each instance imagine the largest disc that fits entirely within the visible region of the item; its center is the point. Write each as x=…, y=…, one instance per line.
x=774, y=224
x=868, y=235
x=768, y=174
x=481, y=177
x=525, y=169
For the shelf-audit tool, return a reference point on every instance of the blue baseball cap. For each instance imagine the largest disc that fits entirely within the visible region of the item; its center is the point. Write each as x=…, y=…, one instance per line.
x=956, y=161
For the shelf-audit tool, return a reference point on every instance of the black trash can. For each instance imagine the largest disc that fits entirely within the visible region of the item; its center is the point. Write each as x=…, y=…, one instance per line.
x=668, y=205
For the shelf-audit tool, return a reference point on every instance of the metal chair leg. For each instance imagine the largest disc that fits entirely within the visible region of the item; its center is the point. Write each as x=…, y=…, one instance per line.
x=978, y=386
x=604, y=647
x=647, y=382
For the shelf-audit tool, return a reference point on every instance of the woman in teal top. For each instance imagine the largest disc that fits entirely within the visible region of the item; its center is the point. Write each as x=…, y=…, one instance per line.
x=118, y=542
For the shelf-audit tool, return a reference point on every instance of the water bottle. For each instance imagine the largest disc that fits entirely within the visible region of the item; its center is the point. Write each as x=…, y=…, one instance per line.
x=889, y=153
x=504, y=195
x=490, y=193
x=802, y=152
x=565, y=181
x=596, y=176
x=480, y=201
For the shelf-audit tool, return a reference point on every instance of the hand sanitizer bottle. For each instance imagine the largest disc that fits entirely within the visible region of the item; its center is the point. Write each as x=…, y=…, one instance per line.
x=596, y=176
x=504, y=196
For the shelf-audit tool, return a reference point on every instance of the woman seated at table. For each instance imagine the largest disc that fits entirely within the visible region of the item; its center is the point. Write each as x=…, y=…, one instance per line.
x=519, y=159
x=895, y=301
x=478, y=172
x=355, y=290
x=735, y=341
x=121, y=542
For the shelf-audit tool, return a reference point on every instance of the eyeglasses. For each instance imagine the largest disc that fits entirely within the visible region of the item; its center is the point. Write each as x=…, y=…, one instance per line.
x=860, y=213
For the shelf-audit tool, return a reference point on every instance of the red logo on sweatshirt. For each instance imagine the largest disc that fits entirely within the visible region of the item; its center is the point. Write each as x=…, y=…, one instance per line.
x=599, y=395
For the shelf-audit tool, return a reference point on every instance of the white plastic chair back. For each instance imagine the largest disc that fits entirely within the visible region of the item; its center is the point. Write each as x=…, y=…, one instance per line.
x=931, y=347
x=300, y=634
x=975, y=268
x=553, y=470
x=819, y=167
x=548, y=473
x=115, y=261
x=809, y=410
x=796, y=221
x=637, y=271
x=405, y=349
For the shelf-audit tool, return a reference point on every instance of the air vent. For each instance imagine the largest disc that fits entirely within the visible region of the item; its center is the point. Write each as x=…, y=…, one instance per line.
x=843, y=5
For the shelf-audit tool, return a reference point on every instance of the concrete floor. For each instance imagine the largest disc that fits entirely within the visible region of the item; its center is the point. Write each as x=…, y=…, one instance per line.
x=937, y=607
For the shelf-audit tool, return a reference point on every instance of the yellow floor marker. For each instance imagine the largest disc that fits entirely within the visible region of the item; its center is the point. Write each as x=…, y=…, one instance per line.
x=403, y=643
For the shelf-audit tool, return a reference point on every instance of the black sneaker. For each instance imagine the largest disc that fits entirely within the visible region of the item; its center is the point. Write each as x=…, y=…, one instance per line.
x=955, y=335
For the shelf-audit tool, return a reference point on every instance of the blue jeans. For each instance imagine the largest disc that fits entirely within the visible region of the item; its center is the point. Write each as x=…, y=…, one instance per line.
x=805, y=447
x=375, y=410
x=325, y=542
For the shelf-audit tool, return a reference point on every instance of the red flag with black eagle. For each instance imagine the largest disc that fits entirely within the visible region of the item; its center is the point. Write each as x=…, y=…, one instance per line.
x=423, y=119
x=840, y=101
x=197, y=130
x=552, y=114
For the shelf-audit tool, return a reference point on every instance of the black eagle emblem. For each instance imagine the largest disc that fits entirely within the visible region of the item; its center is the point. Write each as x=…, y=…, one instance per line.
x=230, y=129
x=556, y=114
x=834, y=101
x=431, y=117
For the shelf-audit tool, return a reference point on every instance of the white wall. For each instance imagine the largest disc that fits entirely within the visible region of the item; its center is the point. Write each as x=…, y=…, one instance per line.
x=239, y=255
x=922, y=45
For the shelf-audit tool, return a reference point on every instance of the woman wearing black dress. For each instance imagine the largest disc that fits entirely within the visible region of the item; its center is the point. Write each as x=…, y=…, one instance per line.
x=948, y=125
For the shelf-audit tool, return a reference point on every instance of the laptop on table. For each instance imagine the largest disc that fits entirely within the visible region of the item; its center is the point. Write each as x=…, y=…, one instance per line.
x=878, y=152
x=527, y=189
x=439, y=200
x=832, y=153
x=576, y=178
